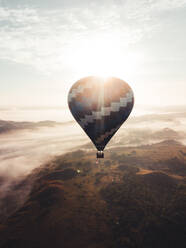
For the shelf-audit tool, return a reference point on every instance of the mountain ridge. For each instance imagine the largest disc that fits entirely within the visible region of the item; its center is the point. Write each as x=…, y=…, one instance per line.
x=109, y=204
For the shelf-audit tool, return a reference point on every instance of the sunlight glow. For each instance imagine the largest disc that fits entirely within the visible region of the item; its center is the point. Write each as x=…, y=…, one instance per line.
x=102, y=56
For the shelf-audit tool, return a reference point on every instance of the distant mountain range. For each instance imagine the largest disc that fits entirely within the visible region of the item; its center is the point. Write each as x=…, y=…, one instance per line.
x=7, y=126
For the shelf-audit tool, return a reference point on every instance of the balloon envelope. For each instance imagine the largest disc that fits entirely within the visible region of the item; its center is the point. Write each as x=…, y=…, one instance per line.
x=100, y=106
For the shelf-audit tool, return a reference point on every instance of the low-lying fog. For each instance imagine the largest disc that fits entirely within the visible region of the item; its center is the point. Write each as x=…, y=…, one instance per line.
x=22, y=150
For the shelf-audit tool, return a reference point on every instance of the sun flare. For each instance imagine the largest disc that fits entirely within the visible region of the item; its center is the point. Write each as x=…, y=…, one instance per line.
x=102, y=56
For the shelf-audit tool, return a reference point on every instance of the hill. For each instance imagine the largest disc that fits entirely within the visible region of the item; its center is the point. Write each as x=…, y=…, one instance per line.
x=134, y=198
x=7, y=126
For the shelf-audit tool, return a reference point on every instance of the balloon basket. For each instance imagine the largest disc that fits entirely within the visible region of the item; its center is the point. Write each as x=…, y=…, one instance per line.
x=100, y=154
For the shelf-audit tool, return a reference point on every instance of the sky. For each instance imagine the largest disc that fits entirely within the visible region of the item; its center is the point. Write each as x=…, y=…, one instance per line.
x=46, y=46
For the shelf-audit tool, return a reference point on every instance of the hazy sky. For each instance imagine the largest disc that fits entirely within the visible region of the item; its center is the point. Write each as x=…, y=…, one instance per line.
x=47, y=45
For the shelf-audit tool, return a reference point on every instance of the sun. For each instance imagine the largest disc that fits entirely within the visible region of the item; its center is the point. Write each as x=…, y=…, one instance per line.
x=102, y=55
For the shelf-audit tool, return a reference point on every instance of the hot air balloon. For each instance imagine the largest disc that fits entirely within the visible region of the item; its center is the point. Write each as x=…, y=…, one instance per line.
x=100, y=106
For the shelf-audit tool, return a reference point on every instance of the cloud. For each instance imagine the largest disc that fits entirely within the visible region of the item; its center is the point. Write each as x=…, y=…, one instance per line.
x=47, y=39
